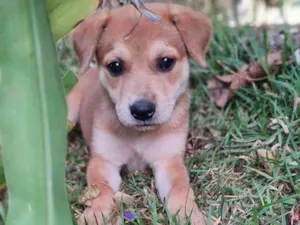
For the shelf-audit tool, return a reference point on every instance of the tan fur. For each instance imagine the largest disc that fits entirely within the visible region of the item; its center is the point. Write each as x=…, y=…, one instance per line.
x=102, y=101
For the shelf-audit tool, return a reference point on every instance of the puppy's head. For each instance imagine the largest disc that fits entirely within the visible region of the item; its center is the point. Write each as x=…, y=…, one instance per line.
x=146, y=71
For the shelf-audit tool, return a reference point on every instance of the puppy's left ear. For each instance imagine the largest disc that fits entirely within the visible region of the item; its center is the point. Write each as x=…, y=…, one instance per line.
x=195, y=30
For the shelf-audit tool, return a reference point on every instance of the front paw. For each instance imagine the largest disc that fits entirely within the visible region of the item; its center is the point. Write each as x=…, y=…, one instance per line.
x=92, y=216
x=188, y=212
x=98, y=216
x=196, y=217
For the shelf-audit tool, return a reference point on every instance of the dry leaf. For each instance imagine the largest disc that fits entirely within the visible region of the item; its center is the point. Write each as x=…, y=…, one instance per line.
x=246, y=158
x=284, y=126
x=88, y=193
x=217, y=221
x=296, y=215
x=238, y=208
x=226, y=78
x=215, y=133
x=221, y=86
x=193, y=141
x=119, y=197
x=122, y=197
x=266, y=153
x=280, y=122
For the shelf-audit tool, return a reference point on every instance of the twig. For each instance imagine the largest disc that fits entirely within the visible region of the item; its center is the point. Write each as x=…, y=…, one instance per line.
x=144, y=11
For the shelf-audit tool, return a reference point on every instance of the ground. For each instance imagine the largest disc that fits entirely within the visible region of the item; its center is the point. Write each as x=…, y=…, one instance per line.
x=244, y=159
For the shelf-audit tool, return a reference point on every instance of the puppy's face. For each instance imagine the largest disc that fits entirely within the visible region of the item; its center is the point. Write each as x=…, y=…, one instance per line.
x=146, y=71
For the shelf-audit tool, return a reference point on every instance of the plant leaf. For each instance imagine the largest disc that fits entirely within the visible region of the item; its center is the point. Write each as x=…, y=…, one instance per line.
x=33, y=116
x=2, y=176
x=64, y=14
x=69, y=80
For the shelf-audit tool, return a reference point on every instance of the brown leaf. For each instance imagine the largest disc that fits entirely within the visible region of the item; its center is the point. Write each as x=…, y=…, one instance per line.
x=214, y=83
x=222, y=96
x=225, y=78
x=220, y=90
x=221, y=86
x=280, y=122
x=217, y=221
x=122, y=197
x=193, y=141
x=296, y=215
x=274, y=59
x=88, y=193
x=240, y=80
x=265, y=153
x=215, y=133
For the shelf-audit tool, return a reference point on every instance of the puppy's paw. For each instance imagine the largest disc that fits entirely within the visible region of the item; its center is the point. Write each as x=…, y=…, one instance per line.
x=191, y=214
x=196, y=217
x=97, y=216
x=92, y=216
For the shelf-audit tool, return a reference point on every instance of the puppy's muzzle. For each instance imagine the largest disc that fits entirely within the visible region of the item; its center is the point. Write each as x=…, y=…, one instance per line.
x=142, y=109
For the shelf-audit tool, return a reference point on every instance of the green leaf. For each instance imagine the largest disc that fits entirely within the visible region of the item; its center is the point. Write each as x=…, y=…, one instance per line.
x=69, y=80
x=64, y=14
x=2, y=176
x=33, y=116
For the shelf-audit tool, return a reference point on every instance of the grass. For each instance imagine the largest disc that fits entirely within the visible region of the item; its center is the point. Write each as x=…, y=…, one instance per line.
x=233, y=182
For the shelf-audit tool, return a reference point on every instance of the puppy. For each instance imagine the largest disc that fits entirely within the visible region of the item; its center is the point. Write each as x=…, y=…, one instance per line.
x=133, y=107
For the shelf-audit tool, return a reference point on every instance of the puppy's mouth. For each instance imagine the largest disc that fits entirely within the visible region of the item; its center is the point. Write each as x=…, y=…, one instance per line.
x=146, y=126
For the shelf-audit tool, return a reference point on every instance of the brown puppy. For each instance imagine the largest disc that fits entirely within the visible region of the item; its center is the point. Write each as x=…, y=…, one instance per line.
x=133, y=107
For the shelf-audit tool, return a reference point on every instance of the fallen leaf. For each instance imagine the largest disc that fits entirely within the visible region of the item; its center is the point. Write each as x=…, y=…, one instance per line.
x=193, y=141
x=88, y=193
x=221, y=87
x=265, y=153
x=215, y=133
x=296, y=214
x=244, y=157
x=238, y=208
x=122, y=197
x=280, y=122
x=217, y=221
x=226, y=78
x=284, y=126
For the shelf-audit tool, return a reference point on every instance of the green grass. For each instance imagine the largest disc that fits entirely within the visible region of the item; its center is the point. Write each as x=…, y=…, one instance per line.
x=232, y=181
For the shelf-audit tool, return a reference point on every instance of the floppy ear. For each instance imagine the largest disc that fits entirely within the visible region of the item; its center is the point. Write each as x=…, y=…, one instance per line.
x=86, y=35
x=195, y=30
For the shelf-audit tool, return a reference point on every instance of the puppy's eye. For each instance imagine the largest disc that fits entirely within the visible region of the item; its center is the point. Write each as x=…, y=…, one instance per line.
x=165, y=64
x=116, y=68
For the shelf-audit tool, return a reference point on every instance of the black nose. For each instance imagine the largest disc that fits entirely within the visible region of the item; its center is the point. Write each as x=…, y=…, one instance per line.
x=142, y=109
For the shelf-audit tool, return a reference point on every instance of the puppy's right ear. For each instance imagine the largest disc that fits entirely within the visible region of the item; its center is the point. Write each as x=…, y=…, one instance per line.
x=86, y=35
